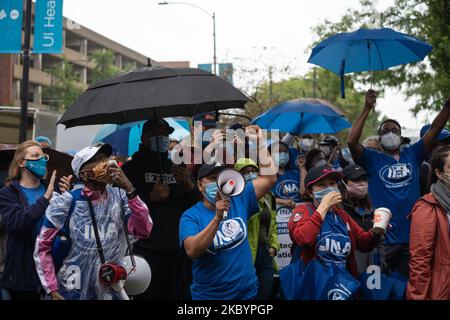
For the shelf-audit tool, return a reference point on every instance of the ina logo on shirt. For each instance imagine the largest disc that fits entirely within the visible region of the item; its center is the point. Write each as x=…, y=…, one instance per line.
x=230, y=234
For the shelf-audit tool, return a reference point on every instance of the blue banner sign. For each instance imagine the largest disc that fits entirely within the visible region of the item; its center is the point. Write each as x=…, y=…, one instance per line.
x=48, y=27
x=11, y=14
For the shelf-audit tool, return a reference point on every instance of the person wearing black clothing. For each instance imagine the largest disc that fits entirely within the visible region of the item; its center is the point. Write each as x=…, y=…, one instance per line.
x=168, y=191
x=424, y=168
x=357, y=204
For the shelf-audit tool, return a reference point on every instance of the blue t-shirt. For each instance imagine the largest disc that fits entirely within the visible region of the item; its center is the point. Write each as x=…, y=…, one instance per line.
x=225, y=271
x=333, y=243
x=395, y=185
x=32, y=195
x=288, y=186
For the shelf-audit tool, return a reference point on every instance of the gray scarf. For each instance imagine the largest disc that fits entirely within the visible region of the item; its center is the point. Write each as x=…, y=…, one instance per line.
x=441, y=193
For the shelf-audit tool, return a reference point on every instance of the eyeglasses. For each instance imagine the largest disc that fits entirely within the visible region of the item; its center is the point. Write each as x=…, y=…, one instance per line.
x=393, y=130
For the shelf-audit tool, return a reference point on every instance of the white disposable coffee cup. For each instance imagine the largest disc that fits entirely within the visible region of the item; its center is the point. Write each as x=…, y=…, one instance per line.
x=381, y=218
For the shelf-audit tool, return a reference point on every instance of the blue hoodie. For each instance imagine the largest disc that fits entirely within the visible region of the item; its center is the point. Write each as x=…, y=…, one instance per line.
x=19, y=220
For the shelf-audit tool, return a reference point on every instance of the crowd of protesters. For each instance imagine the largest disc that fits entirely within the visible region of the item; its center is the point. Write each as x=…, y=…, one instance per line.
x=203, y=245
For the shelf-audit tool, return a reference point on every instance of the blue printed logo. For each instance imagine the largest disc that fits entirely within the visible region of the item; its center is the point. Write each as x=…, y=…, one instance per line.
x=396, y=175
x=333, y=247
x=230, y=234
x=339, y=293
x=286, y=188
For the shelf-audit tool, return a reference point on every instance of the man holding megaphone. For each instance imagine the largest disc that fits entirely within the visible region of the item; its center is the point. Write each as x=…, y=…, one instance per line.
x=214, y=231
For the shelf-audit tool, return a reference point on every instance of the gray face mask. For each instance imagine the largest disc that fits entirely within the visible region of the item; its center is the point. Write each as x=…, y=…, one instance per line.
x=159, y=143
x=326, y=149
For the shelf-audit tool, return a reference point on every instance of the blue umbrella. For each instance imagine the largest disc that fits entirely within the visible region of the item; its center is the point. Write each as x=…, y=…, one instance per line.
x=303, y=116
x=125, y=138
x=367, y=50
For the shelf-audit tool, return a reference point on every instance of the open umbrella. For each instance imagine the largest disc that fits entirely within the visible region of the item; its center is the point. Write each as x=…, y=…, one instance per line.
x=125, y=138
x=367, y=50
x=303, y=116
x=152, y=92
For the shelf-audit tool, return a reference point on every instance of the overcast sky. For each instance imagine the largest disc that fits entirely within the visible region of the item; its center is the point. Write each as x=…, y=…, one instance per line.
x=243, y=28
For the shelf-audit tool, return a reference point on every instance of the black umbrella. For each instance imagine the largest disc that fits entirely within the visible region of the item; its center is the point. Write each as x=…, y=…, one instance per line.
x=152, y=92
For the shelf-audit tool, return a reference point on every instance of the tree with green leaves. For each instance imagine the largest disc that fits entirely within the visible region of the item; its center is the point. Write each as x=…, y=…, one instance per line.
x=65, y=86
x=429, y=20
x=105, y=66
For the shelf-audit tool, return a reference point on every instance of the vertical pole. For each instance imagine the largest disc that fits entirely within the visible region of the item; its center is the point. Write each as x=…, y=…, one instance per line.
x=314, y=83
x=270, y=86
x=25, y=75
x=214, y=38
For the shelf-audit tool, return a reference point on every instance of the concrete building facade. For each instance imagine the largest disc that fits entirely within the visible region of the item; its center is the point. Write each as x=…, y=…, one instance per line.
x=78, y=43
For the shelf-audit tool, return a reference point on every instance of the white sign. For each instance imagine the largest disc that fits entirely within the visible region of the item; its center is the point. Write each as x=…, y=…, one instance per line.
x=283, y=257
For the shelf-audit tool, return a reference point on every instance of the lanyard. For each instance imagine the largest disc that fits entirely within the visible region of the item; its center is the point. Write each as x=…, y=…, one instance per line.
x=97, y=236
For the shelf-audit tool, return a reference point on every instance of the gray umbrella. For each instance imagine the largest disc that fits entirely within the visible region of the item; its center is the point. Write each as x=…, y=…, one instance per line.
x=152, y=92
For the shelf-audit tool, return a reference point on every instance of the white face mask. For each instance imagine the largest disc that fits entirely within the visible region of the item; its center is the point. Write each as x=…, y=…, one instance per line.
x=306, y=144
x=390, y=141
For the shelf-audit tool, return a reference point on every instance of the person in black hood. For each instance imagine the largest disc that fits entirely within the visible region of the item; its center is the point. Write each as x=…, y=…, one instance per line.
x=168, y=190
x=356, y=202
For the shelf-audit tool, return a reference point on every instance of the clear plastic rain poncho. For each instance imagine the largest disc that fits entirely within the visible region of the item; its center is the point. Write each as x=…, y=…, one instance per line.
x=78, y=276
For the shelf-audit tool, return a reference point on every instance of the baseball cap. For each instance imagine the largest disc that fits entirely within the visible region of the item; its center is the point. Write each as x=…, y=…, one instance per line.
x=244, y=162
x=354, y=172
x=329, y=140
x=207, y=119
x=442, y=136
x=153, y=124
x=207, y=169
x=318, y=173
x=86, y=154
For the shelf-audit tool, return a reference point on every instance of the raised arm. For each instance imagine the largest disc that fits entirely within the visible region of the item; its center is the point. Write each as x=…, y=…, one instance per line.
x=429, y=139
x=354, y=136
x=267, y=171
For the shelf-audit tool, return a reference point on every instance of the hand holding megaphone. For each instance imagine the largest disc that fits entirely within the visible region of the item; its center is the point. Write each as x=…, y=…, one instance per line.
x=230, y=183
x=222, y=206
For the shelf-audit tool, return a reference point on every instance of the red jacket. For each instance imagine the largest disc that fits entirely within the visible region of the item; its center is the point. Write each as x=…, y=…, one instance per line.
x=429, y=247
x=304, y=229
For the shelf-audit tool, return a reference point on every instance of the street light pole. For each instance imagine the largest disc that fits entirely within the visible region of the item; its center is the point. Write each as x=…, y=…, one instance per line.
x=25, y=75
x=211, y=15
x=214, y=38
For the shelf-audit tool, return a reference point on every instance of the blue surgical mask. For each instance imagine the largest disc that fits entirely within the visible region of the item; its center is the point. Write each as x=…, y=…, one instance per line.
x=250, y=176
x=159, y=143
x=283, y=159
x=37, y=167
x=210, y=192
x=321, y=162
x=318, y=195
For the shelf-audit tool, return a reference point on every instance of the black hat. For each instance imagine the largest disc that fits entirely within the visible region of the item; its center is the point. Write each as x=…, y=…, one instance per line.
x=207, y=119
x=354, y=172
x=330, y=140
x=207, y=169
x=318, y=173
x=236, y=126
x=153, y=124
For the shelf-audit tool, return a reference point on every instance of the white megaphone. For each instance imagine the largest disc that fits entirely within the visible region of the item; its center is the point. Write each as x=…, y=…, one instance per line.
x=230, y=183
x=139, y=276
